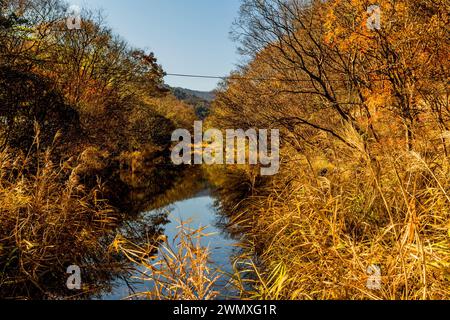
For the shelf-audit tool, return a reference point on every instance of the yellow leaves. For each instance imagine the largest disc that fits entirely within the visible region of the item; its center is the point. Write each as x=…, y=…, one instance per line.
x=358, y=42
x=346, y=26
x=328, y=39
x=377, y=99
x=400, y=8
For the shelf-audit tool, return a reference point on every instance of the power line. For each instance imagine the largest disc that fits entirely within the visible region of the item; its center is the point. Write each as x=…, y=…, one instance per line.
x=239, y=78
x=263, y=79
x=195, y=76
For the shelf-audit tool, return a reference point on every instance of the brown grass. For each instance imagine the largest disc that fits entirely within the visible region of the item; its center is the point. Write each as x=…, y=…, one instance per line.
x=313, y=230
x=49, y=221
x=180, y=271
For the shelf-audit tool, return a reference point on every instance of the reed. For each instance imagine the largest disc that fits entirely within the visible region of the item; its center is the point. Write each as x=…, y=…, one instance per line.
x=181, y=269
x=313, y=230
x=49, y=220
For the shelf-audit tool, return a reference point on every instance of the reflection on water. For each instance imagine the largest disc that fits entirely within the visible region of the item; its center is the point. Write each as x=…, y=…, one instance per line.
x=153, y=203
x=199, y=210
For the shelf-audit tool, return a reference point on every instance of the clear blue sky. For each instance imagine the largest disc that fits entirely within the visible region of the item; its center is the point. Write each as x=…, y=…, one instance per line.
x=187, y=36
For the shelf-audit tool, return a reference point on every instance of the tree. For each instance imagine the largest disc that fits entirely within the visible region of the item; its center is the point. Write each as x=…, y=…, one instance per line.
x=323, y=57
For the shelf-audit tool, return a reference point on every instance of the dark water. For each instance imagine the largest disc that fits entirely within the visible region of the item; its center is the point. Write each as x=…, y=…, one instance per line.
x=198, y=210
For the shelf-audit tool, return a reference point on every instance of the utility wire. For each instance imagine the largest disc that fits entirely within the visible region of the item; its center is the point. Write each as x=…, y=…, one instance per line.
x=195, y=76
x=260, y=79
x=240, y=78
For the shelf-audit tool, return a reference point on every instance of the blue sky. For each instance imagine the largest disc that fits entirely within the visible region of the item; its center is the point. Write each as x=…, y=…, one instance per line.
x=187, y=36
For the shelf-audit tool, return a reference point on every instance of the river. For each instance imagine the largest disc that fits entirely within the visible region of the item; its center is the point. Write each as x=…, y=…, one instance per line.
x=199, y=210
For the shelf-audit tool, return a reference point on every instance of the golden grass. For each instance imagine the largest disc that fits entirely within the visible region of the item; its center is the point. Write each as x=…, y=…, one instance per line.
x=49, y=220
x=313, y=236
x=180, y=270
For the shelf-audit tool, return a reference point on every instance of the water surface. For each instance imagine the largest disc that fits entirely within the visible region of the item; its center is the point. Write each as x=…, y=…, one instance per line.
x=200, y=211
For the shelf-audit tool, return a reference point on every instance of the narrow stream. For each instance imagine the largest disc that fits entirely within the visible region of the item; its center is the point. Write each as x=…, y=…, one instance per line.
x=199, y=210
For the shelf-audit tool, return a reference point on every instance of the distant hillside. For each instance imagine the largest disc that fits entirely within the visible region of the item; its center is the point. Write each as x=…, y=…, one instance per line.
x=200, y=100
x=186, y=94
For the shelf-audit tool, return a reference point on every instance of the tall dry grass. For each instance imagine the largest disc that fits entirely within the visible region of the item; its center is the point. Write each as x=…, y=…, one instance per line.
x=49, y=220
x=173, y=270
x=314, y=229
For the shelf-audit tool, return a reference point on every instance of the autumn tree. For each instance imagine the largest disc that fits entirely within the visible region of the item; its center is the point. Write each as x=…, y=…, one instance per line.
x=95, y=71
x=399, y=66
x=324, y=57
